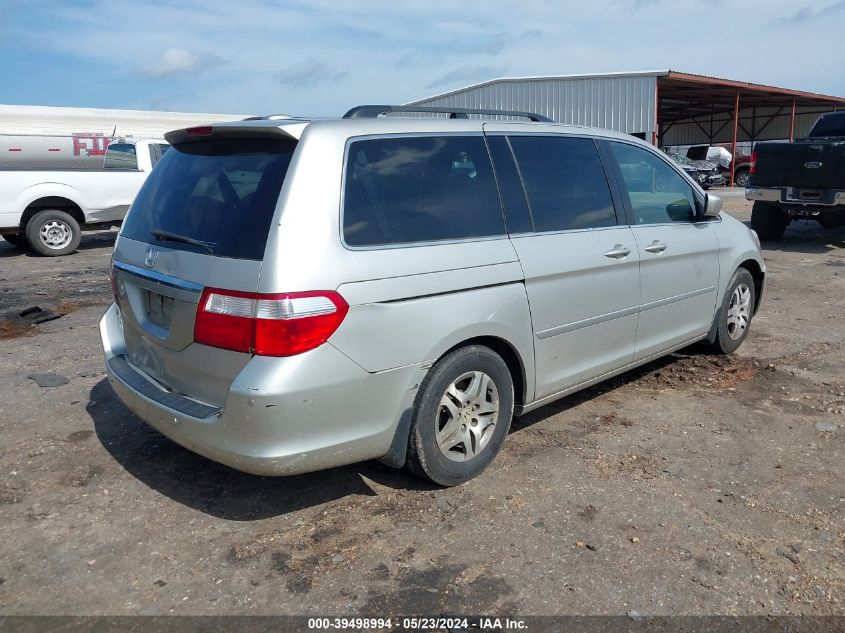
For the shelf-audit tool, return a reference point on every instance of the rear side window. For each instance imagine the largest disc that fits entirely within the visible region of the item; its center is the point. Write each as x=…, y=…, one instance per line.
x=156, y=152
x=829, y=125
x=222, y=193
x=565, y=182
x=517, y=215
x=419, y=189
x=697, y=152
x=121, y=156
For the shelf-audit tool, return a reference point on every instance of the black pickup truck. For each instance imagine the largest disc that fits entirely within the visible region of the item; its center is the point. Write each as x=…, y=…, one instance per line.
x=804, y=179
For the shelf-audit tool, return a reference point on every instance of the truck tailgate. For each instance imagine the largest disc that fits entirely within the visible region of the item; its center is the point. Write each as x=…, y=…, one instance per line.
x=805, y=164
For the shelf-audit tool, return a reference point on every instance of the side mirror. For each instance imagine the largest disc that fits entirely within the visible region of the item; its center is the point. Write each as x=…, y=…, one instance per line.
x=712, y=206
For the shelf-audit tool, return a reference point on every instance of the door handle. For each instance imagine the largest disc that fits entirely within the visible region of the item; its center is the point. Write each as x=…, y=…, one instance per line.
x=656, y=247
x=618, y=252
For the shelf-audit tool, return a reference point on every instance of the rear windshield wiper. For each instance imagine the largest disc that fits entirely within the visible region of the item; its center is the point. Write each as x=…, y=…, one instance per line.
x=167, y=236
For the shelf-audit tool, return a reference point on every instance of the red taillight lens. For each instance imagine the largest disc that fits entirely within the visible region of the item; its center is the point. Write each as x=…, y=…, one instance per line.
x=753, y=164
x=202, y=130
x=268, y=324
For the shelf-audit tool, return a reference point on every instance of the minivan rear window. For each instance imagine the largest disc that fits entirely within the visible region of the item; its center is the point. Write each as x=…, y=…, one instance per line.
x=221, y=193
x=402, y=190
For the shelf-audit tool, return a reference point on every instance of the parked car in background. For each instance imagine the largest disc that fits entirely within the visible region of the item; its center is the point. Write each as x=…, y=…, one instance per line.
x=45, y=206
x=721, y=156
x=804, y=179
x=292, y=295
x=705, y=173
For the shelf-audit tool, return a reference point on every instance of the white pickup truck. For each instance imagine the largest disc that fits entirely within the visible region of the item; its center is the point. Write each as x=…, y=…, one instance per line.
x=46, y=209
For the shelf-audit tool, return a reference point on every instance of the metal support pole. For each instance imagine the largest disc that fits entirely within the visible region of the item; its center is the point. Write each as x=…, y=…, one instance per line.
x=654, y=138
x=710, y=134
x=733, y=142
x=792, y=122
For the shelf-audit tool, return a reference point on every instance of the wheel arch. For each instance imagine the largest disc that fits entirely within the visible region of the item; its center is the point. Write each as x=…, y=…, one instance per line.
x=397, y=454
x=753, y=267
x=58, y=203
x=512, y=359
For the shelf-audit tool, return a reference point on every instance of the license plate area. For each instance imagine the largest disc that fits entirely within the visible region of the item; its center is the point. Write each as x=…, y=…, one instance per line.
x=159, y=308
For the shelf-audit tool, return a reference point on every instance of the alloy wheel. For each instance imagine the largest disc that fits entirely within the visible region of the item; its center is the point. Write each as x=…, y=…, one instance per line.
x=467, y=416
x=739, y=311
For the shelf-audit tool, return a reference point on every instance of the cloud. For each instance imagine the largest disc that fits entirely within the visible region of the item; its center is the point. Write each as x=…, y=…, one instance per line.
x=636, y=4
x=806, y=14
x=488, y=44
x=308, y=73
x=263, y=48
x=177, y=61
x=531, y=34
x=468, y=74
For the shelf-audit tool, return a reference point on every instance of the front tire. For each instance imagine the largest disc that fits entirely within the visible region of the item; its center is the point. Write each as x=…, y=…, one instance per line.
x=53, y=233
x=742, y=178
x=769, y=220
x=462, y=414
x=735, y=313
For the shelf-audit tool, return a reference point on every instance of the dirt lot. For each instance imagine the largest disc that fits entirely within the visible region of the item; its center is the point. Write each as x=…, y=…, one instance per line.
x=696, y=485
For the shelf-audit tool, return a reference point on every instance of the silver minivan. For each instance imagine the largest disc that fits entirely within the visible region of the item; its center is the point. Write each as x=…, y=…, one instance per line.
x=293, y=295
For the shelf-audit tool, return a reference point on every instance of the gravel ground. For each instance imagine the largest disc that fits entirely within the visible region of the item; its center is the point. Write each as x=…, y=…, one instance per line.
x=694, y=485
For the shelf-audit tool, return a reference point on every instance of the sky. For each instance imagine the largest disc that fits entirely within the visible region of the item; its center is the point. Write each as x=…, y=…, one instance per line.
x=320, y=57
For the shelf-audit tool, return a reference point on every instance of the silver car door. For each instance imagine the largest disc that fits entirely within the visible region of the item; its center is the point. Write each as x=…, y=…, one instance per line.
x=679, y=263
x=581, y=267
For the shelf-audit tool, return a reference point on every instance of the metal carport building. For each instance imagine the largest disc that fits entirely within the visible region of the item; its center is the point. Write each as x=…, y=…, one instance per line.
x=666, y=107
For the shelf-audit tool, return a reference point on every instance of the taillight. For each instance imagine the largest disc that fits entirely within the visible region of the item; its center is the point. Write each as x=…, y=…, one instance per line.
x=753, y=164
x=268, y=324
x=200, y=130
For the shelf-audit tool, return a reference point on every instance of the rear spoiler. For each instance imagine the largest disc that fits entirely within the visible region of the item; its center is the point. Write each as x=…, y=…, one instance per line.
x=238, y=129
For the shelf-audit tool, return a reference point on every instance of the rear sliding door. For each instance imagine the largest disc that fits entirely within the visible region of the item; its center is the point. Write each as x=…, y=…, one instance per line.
x=581, y=266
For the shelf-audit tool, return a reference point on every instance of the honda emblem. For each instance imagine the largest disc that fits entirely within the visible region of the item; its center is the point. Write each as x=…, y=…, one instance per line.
x=150, y=259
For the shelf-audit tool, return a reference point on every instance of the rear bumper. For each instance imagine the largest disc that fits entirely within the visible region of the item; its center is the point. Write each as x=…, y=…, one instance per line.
x=282, y=416
x=797, y=196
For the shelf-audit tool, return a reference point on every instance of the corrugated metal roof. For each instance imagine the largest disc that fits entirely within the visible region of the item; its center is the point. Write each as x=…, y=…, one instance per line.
x=749, y=86
x=635, y=73
x=674, y=74
x=624, y=102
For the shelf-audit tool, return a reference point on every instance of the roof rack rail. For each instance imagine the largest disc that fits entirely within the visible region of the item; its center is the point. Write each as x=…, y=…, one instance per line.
x=373, y=111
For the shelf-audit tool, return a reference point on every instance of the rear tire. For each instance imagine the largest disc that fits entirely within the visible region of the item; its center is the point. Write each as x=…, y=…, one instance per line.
x=18, y=239
x=769, y=220
x=742, y=178
x=735, y=313
x=53, y=233
x=832, y=221
x=461, y=416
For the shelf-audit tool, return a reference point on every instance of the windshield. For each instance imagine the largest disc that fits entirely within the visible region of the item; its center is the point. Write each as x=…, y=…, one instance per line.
x=215, y=196
x=829, y=125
